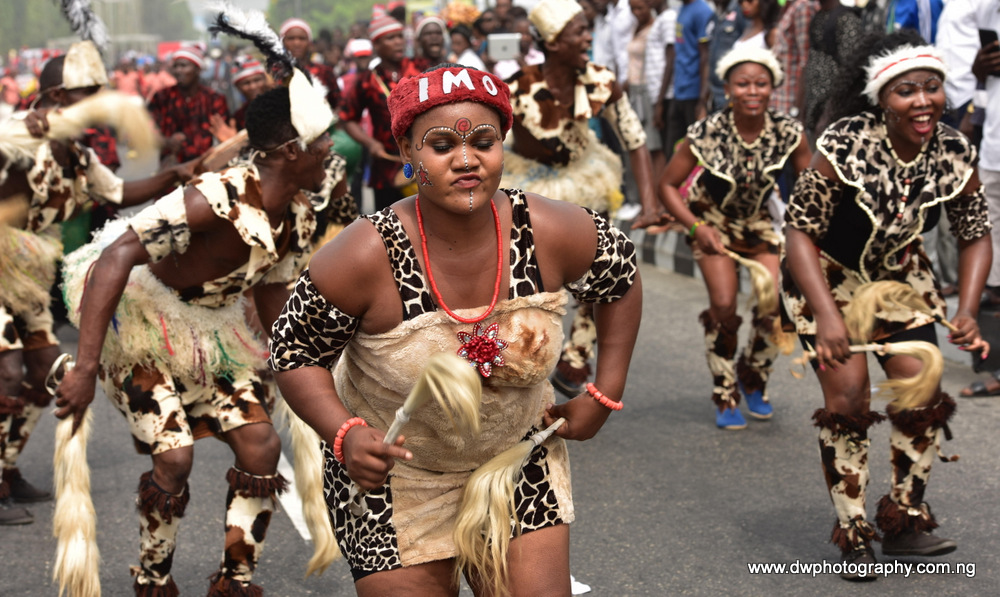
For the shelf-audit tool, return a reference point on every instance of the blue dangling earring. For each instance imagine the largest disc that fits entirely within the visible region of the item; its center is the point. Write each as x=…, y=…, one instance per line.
x=408, y=170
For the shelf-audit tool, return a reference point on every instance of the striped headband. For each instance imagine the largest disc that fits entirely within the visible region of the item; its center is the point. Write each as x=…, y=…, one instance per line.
x=884, y=68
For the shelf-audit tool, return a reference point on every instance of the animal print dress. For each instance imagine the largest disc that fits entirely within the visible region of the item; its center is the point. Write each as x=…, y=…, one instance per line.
x=410, y=519
x=867, y=223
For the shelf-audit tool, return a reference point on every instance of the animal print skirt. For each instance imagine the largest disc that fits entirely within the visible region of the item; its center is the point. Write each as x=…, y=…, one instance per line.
x=916, y=272
x=410, y=519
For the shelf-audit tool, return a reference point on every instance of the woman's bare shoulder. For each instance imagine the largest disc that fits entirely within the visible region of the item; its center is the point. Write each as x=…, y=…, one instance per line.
x=349, y=269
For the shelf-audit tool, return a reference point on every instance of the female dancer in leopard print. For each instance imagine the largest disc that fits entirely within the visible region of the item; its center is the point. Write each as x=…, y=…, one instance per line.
x=742, y=149
x=372, y=307
x=882, y=173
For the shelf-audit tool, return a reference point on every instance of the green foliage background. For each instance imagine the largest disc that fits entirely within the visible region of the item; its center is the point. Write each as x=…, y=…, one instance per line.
x=322, y=14
x=32, y=23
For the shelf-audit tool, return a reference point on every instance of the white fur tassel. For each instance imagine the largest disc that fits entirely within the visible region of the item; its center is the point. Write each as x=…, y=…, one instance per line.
x=482, y=529
x=762, y=282
x=308, y=463
x=105, y=108
x=456, y=387
x=74, y=523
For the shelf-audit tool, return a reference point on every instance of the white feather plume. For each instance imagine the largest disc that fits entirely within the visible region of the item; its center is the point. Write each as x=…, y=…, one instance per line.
x=252, y=25
x=85, y=22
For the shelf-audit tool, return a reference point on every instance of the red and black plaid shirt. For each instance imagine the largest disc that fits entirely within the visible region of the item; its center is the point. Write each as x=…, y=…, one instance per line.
x=102, y=141
x=175, y=112
x=371, y=90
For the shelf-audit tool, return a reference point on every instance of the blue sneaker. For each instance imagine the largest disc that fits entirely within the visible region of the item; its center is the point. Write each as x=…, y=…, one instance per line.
x=758, y=407
x=730, y=418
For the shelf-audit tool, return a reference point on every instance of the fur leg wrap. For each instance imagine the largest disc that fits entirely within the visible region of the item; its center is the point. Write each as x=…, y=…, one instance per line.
x=5, y=423
x=17, y=432
x=914, y=441
x=249, y=504
x=152, y=497
x=36, y=396
x=720, y=350
x=756, y=362
x=843, y=446
x=224, y=586
x=159, y=518
x=167, y=589
x=574, y=364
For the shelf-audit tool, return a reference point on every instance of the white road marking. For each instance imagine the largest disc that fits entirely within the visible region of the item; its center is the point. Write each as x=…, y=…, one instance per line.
x=290, y=501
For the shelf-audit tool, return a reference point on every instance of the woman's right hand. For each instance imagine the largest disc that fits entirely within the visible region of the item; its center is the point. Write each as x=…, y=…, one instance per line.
x=832, y=343
x=367, y=459
x=708, y=240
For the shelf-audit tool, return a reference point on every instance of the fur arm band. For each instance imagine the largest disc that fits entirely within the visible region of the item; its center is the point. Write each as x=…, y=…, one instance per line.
x=968, y=215
x=310, y=332
x=626, y=122
x=162, y=227
x=614, y=267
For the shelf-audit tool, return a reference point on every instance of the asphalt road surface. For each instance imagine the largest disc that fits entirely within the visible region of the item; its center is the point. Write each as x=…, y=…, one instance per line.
x=666, y=504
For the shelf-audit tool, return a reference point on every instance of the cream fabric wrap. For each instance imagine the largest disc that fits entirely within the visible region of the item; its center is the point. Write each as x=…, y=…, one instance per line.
x=426, y=491
x=153, y=326
x=593, y=181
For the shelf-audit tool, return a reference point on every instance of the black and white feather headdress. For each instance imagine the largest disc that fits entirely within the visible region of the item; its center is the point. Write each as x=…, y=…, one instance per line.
x=85, y=23
x=252, y=26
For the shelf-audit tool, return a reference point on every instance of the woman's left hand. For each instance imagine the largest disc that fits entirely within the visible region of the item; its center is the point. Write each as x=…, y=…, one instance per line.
x=584, y=417
x=967, y=336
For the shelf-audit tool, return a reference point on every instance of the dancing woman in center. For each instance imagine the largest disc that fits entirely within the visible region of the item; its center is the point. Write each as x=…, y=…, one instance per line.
x=743, y=149
x=425, y=276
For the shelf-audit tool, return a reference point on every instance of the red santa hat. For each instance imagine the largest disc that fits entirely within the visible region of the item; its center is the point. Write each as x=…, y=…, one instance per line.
x=415, y=95
x=248, y=69
x=190, y=53
x=294, y=23
x=358, y=48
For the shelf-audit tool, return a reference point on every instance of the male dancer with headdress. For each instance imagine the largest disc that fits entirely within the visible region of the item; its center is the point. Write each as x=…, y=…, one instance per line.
x=161, y=321
x=555, y=153
x=50, y=187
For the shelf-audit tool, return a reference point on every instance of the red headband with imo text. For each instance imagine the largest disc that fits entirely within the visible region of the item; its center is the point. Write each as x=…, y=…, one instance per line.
x=415, y=95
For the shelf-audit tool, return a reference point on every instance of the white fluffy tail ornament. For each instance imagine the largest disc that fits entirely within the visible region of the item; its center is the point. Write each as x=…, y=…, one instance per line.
x=110, y=108
x=74, y=523
x=308, y=463
x=454, y=385
x=910, y=392
x=482, y=530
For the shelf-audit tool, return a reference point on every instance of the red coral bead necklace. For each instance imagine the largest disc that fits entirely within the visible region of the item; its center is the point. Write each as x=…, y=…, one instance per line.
x=430, y=276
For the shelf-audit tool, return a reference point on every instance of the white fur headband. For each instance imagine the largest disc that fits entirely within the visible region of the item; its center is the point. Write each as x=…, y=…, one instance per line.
x=884, y=68
x=761, y=56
